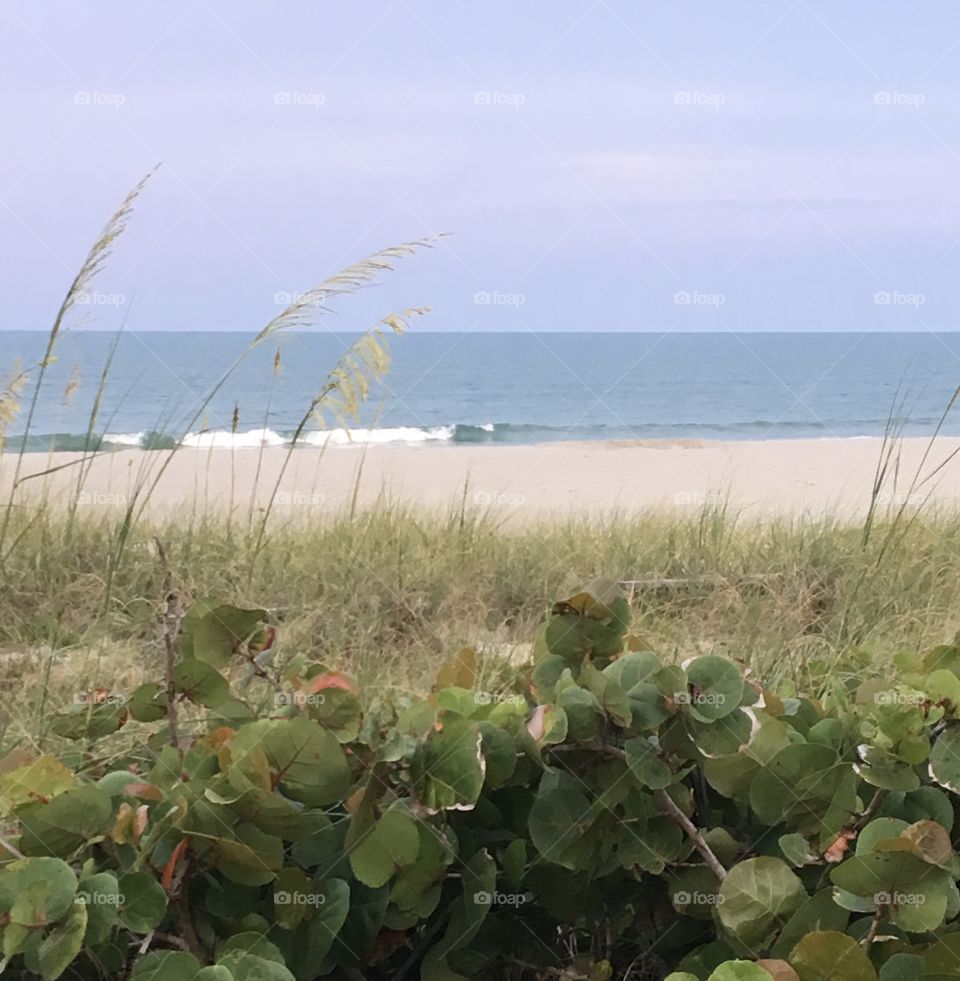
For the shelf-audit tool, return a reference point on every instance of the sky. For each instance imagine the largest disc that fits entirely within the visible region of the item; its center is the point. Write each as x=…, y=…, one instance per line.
x=600, y=164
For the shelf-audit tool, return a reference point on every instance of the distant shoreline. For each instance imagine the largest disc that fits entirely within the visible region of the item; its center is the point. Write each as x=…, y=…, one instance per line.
x=824, y=476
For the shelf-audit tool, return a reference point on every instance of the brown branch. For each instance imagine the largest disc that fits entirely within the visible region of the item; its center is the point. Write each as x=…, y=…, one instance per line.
x=171, y=633
x=669, y=807
x=872, y=808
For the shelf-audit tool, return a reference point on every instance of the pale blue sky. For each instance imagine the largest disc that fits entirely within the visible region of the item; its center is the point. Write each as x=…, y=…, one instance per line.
x=604, y=165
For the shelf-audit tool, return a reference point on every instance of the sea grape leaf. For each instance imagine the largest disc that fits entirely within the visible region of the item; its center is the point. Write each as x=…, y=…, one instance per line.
x=829, y=955
x=148, y=702
x=645, y=764
x=165, y=965
x=41, y=778
x=470, y=909
x=305, y=760
x=60, y=946
x=945, y=759
x=144, y=902
x=201, y=683
x=217, y=631
x=557, y=819
x=714, y=687
x=449, y=766
x=61, y=825
x=757, y=897
x=391, y=846
x=101, y=894
x=597, y=599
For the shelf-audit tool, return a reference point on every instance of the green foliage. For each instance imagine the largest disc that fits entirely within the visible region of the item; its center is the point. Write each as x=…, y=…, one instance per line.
x=615, y=816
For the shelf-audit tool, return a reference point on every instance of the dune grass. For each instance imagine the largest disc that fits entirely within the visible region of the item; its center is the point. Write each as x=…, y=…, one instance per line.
x=388, y=593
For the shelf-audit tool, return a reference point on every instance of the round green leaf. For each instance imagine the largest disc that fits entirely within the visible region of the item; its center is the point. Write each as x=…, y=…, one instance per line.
x=387, y=849
x=714, y=687
x=757, y=897
x=831, y=956
x=739, y=971
x=165, y=965
x=144, y=903
x=201, y=683
x=557, y=819
x=449, y=766
x=945, y=759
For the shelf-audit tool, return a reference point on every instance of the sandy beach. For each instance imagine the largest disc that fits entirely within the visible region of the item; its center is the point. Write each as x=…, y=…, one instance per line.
x=517, y=482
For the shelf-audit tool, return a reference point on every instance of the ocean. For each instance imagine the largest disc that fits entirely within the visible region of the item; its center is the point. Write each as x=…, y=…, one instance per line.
x=452, y=388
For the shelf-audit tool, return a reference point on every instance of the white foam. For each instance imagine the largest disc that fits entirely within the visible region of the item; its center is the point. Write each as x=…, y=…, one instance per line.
x=218, y=438
x=123, y=439
x=397, y=434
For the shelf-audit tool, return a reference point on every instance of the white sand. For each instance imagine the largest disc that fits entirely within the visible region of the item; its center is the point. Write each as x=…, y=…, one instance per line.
x=517, y=482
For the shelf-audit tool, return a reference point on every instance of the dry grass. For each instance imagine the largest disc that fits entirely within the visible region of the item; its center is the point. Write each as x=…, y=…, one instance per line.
x=387, y=594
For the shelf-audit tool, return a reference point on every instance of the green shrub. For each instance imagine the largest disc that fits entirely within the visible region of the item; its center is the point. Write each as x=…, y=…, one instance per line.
x=256, y=816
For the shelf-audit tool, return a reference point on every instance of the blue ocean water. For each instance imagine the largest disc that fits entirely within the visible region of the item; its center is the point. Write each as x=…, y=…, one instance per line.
x=494, y=388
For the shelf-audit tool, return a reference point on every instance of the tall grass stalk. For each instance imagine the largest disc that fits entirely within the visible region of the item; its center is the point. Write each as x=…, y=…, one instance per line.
x=92, y=266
